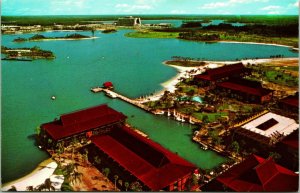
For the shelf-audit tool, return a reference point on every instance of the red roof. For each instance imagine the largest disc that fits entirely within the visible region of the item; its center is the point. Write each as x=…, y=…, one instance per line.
x=82, y=121
x=152, y=164
x=258, y=174
x=237, y=86
x=292, y=140
x=222, y=72
x=108, y=84
x=291, y=100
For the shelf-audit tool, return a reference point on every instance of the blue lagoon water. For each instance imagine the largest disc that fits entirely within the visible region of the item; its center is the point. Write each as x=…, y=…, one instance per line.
x=133, y=65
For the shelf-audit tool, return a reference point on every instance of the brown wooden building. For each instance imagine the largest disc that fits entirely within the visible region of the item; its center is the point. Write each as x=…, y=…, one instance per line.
x=245, y=90
x=82, y=124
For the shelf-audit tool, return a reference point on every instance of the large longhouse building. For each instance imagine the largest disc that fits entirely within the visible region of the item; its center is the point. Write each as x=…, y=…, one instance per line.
x=82, y=124
x=130, y=155
x=140, y=159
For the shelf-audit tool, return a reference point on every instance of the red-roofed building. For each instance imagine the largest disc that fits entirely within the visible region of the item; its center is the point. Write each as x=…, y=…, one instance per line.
x=289, y=151
x=290, y=103
x=141, y=159
x=108, y=85
x=83, y=123
x=245, y=90
x=256, y=174
x=211, y=76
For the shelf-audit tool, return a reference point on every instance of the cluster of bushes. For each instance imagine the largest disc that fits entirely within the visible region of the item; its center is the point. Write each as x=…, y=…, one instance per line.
x=198, y=36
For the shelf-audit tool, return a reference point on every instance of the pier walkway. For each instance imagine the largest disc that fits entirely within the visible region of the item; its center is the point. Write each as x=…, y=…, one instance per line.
x=117, y=95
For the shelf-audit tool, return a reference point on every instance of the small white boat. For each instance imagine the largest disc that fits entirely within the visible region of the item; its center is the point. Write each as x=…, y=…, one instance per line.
x=53, y=97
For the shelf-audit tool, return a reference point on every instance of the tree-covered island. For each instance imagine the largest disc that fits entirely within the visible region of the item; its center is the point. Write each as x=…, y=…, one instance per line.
x=39, y=37
x=31, y=53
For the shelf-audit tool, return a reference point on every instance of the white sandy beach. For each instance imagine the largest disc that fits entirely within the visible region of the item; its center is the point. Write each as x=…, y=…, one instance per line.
x=37, y=177
x=182, y=73
x=267, y=44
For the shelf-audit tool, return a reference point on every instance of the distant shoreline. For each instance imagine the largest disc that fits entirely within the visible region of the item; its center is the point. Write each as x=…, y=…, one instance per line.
x=260, y=43
x=60, y=39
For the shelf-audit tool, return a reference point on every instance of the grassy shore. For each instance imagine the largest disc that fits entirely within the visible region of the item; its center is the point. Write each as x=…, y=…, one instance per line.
x=152, y=34
x=241, y=37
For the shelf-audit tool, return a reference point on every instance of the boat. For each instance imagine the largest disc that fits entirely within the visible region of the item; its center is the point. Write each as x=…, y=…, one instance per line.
x=169, y=114
x=190, y=120
x=53, y=97
x=158, y=112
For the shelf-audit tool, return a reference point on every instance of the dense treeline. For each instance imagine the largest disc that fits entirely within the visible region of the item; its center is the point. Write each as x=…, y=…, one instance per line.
x=283, y=30
x=84, y=19
x=258, y=29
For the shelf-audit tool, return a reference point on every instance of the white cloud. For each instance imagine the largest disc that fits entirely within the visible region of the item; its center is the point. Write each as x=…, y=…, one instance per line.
x=178, y=12
x=135, y=8
x=219, y=4
x=271, y=8
x=296, y=4
x=214, y=5
x=274, y=12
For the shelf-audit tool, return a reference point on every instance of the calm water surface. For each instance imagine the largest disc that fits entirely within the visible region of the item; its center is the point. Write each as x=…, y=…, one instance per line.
x=133, y=65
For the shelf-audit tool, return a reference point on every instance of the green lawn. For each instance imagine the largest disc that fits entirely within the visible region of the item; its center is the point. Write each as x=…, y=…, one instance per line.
x=150, y=34
x=211, y=116
x=281, y=78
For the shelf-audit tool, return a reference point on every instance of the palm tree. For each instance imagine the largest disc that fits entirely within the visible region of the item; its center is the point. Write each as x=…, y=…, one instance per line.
x=76, y=176
x=48, y=185
x=106, y=172
x=116, y=178
x=97, y=160
x=235, y=147
x=12, y=189
x=120, y=182
x=126, y=184
x=29, y=188
x=136, y=186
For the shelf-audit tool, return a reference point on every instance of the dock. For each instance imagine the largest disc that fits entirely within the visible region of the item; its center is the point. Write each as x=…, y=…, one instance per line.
x=113, y=94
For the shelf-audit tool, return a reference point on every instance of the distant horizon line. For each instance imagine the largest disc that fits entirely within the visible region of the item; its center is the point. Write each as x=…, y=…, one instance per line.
x=157, y=14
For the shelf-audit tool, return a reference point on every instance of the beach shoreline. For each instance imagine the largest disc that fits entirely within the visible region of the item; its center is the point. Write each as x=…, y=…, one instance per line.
x=43, y=171
x=169, y=85
x=260, y=43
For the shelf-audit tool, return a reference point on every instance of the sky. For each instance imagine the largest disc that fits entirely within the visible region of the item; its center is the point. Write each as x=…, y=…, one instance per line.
x=127, y=7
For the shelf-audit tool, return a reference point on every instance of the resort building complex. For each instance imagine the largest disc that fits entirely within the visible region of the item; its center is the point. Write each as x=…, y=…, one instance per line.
x=228, y=81
x=82, y=124
x=255, y=174
x=138, y=157
x=101, y=130
x=269, y=128
x=129, y=21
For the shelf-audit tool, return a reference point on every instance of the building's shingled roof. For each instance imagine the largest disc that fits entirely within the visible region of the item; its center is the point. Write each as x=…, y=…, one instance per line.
x=222, y=72
x=152, y=164
x=81, y=121
x=291, y=100
x=257, y=174
x=245, y=86
x=292, y=140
